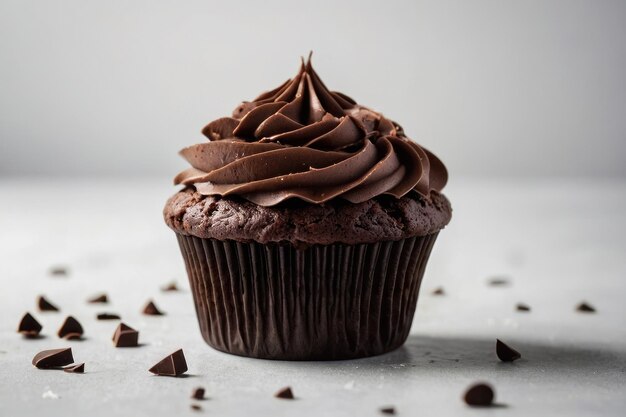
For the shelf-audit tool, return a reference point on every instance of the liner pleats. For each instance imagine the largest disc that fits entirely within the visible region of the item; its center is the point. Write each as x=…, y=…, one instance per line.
x=324, y=302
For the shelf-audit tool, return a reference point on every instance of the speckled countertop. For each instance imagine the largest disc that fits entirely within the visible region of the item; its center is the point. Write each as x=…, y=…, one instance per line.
x=558, y=242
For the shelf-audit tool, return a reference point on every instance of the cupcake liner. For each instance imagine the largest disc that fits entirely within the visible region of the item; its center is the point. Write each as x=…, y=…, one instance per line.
x=325, y=302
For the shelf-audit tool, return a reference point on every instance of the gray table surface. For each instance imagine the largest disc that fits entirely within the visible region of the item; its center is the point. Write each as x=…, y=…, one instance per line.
x=559, y=242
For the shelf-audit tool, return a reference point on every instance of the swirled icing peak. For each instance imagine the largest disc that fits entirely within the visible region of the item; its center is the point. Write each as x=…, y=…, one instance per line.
x=301, y=140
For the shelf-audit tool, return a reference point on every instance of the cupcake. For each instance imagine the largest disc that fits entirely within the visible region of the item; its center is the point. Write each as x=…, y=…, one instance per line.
x=305, y=224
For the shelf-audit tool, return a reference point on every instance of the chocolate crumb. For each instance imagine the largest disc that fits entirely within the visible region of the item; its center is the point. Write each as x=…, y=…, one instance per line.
x=439, y=291
x=45, y=305
x=99, y=299
x=29, y=327
x=53, y=358
x=59, y=271
x=196, y=407
x=75, y=369
x=285, y=394
x=70, y=329
x=151, y=309
x=388, y=410
x=172, y=365
x=198, y=393
x=170, y=287
x=125, y=336
x=522, y=307
x=480, y=395
x=108, y=316
x=498, y=282
x=505, y=352
x=585, y=307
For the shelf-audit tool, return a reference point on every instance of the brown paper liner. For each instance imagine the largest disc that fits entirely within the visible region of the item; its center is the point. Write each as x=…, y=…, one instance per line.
x=325, y=302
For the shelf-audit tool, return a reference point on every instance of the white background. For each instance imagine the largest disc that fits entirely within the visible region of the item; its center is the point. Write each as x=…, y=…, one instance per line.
x=495, y=88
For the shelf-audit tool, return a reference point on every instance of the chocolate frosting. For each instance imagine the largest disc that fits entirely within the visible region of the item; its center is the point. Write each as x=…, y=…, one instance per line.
x=304, y=141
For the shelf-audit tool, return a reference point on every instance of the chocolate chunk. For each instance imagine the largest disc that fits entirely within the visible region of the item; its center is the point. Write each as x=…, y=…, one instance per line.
x=59, y=271
x=70, y=329
x=54, y=358
x=107, y=316
x=196, y=407
x=585, y=307
x=498, y=282
x=285, y=394
x=522, y=307
x=45, y=305
x=198, y=394
x=388, y=410
x=170, y=287
x=479, y=395
x=29, y=327
x=151, y=309
x=75, y=369
x=125, y=336
x=99, y=299
x=171, y=365
x=439, y=291
x=505, y=352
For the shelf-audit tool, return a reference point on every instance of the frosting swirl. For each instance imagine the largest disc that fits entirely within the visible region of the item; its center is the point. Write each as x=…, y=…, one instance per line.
x=302, y=140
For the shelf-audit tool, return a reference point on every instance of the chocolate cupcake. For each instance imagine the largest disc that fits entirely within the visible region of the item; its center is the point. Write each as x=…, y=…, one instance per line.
x=305, y=225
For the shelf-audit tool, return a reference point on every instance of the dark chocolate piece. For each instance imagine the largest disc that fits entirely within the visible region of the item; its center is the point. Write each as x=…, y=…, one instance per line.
x=99, y=299
x=59, y=271
x=439, y=291
x=107, y=316
x=479, y=395
x=151, y=309
x=285, y=394
x=170, y=287
x=505, y=352
x=45, y=305
x=75, y=369
x=498, y=282
x=196, y=407
x=29, y=327
x=198, y=394
x=585, y=307
x=522, y=307
x=53, y=358
x=388, y=410
x=125, y=336
x=70, y=329
x=171, y=365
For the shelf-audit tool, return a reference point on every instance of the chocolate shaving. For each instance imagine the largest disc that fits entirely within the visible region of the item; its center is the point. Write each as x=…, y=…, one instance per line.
x=108, y=316
x=70, y=329
x=29, y=327
x=59, y=271
x=171, y=365
x=585, y=307
x=198, y=394
x=170, y=287
x=480, y=395
x=498, y=282
x=99, y=299
x=505, y=352
x=54, y=358
x=151, y=309
x=388, y=410
x=45, y=305
x=285, y=394
x=439, y=291
x=196, y=407
x=75, y=369
x=125, y=336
